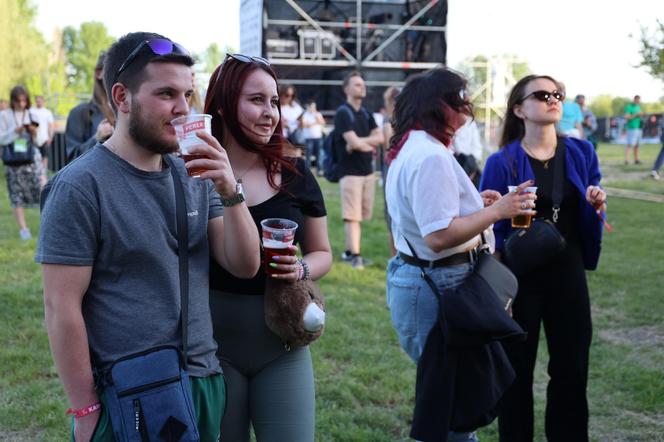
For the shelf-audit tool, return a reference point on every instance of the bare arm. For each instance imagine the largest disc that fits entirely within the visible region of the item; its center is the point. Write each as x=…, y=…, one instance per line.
x=316, y=252
x=363, y=144
x=64, y=288
x=234, y=241
x=462, y=229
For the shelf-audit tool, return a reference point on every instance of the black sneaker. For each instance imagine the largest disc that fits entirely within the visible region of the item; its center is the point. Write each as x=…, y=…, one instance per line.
x=346, y=256
x=357, y=262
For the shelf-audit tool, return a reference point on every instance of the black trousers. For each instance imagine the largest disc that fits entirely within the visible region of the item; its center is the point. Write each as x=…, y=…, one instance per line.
x=556, y=296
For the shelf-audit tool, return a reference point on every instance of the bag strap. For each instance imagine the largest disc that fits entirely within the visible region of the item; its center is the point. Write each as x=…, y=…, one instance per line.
x=558, y=177
x=183, y=256
x=423, y=273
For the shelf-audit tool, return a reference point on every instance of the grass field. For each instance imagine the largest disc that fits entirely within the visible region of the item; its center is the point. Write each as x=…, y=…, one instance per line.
x=365, y=383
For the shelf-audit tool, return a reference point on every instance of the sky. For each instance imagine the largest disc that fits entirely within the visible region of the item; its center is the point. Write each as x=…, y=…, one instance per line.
x=584, y=43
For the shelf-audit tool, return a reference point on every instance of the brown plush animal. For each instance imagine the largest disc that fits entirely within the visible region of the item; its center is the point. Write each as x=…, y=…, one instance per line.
x=287, y=304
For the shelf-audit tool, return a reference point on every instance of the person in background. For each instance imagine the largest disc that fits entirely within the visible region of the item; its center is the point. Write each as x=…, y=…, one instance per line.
x=389, y=101
x=3, y=104
x=660, y=157
x=312, y=130
x=571, y=122
x=358, y=131
x=554, y=294
x=195, y=102
x=467, y=148
x=45, y=131
x=291, y=114
x=92, y=122
x=23, y=181
x=589, y=121
x=434, y=206
x=633, y=116
x=270, y=386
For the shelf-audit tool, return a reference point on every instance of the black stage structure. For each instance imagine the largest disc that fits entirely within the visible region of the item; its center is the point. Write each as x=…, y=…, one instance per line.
x=314, y=44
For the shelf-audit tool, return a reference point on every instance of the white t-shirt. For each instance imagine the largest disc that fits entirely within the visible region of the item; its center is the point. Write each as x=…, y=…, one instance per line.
x=314, y=131
x=44, y=117
x=289, y=116
x=425, y=190
x=467, y=140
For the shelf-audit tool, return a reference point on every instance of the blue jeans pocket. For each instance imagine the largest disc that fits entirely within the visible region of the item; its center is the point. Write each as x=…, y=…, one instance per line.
x=403, y=307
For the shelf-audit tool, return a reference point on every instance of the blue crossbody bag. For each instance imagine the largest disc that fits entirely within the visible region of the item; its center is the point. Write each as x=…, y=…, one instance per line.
x=148, y=394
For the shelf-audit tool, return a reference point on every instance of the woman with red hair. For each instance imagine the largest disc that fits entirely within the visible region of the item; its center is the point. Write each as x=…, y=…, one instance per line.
x=268, y=386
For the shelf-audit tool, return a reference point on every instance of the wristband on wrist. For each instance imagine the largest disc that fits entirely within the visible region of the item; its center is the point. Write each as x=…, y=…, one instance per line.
x=82, y=412
x=306, y=272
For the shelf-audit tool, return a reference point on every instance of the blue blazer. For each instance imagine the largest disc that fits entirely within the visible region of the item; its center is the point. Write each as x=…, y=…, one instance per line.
x=510, y=167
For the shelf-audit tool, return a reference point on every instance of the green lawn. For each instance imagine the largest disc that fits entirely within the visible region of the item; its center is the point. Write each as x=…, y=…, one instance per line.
x=365, y=383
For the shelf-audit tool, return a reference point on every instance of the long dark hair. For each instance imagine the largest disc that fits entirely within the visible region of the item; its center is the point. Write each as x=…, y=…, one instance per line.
x=221, y=101
x=429, y=101
x=16, y=93
x=513, y=126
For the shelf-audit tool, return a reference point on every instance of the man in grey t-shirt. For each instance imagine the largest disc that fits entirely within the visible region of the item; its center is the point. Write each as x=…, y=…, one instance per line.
x=108, y=241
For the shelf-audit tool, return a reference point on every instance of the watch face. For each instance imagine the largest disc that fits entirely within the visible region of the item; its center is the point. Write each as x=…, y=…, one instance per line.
x=238, y=188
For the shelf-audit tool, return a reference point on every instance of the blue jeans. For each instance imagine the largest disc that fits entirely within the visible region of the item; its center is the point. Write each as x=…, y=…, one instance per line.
x=414, y=308
x=313, y=148
x=660, y=158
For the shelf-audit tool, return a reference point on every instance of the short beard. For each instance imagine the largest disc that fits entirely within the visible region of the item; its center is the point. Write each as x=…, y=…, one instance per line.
x=142, y=130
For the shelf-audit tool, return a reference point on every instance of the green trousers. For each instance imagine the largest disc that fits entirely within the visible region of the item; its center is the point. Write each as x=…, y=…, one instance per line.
x=209, y=397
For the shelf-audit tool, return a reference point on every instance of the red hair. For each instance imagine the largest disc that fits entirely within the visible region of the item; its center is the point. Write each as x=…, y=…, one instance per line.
x=221, y=101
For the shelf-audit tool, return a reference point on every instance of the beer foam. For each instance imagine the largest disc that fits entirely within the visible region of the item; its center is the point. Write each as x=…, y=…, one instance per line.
x=273, y=244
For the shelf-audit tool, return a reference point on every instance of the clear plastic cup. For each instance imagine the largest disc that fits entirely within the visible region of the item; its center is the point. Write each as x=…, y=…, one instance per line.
x=185, y=129
x=522, y=221
x=278, y=234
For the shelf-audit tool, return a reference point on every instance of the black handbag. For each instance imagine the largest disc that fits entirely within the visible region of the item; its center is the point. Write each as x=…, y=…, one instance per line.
x=11, y=156
x=493, y=276
x=529, y=248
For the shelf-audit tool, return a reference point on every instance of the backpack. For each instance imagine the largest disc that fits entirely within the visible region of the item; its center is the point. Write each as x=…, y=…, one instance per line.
x=334, y=146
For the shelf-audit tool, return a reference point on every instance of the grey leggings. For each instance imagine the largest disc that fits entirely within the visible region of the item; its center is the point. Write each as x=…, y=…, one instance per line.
x=267, y=386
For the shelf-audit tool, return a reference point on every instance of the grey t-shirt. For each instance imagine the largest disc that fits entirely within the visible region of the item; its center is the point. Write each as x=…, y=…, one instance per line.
x=103, y=212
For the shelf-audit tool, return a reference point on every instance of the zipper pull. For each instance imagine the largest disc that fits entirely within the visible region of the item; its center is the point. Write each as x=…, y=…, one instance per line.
x=137, y=414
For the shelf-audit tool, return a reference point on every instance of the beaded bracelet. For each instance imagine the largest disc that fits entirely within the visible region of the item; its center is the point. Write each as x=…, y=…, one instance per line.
x=306, y=272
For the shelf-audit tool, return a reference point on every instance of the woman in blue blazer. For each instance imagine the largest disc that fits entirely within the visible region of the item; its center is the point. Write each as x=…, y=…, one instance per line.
x=556, y=293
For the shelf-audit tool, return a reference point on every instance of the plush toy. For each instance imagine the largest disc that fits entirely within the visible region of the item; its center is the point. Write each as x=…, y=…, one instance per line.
x=294, y=311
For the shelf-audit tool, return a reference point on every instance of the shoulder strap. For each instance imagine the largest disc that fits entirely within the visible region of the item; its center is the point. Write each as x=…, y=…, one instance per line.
x=424, y=274
x=558, y=177
x=183, y=256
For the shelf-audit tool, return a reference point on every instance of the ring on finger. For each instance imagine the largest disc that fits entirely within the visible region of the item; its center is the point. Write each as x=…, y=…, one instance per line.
x=524, y=206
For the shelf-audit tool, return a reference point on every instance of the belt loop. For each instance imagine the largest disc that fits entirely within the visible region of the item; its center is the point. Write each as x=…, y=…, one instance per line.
x=431, y=263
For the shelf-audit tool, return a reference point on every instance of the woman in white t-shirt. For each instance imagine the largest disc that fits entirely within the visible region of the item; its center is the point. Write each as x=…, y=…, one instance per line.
x=312, y=130
x=434, y=205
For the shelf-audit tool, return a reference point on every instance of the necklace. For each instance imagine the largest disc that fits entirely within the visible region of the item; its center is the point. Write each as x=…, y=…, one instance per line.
x=545, y=162
x=239, y=176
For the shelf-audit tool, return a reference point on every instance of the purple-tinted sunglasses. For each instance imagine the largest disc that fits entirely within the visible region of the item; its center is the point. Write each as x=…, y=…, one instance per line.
x=159, y=46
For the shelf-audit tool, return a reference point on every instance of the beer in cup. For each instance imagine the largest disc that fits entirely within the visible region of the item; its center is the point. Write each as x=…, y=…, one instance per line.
x=522, y=221
x=185, y=129
x=278, y=234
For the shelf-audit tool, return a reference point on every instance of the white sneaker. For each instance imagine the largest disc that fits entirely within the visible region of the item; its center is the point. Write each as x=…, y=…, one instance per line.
x=655, y=175
x=25, y=234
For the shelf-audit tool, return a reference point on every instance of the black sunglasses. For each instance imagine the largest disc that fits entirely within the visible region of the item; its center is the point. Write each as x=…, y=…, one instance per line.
x=545, y=96
x=158, y=46
x=247, y=59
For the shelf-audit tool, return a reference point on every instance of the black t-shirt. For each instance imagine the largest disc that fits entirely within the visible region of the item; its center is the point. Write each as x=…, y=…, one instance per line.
x=569, y=207
x=362, y=123
x=300, y=197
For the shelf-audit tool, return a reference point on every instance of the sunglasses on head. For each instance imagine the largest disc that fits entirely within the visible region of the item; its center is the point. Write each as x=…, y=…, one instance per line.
x=247, y=59
x=545, y=96
x=158, y=46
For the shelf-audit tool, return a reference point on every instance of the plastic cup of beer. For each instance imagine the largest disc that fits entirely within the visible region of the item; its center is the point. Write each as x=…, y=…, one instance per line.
x=186, y=127
x=522, y=221
x=278, y=234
